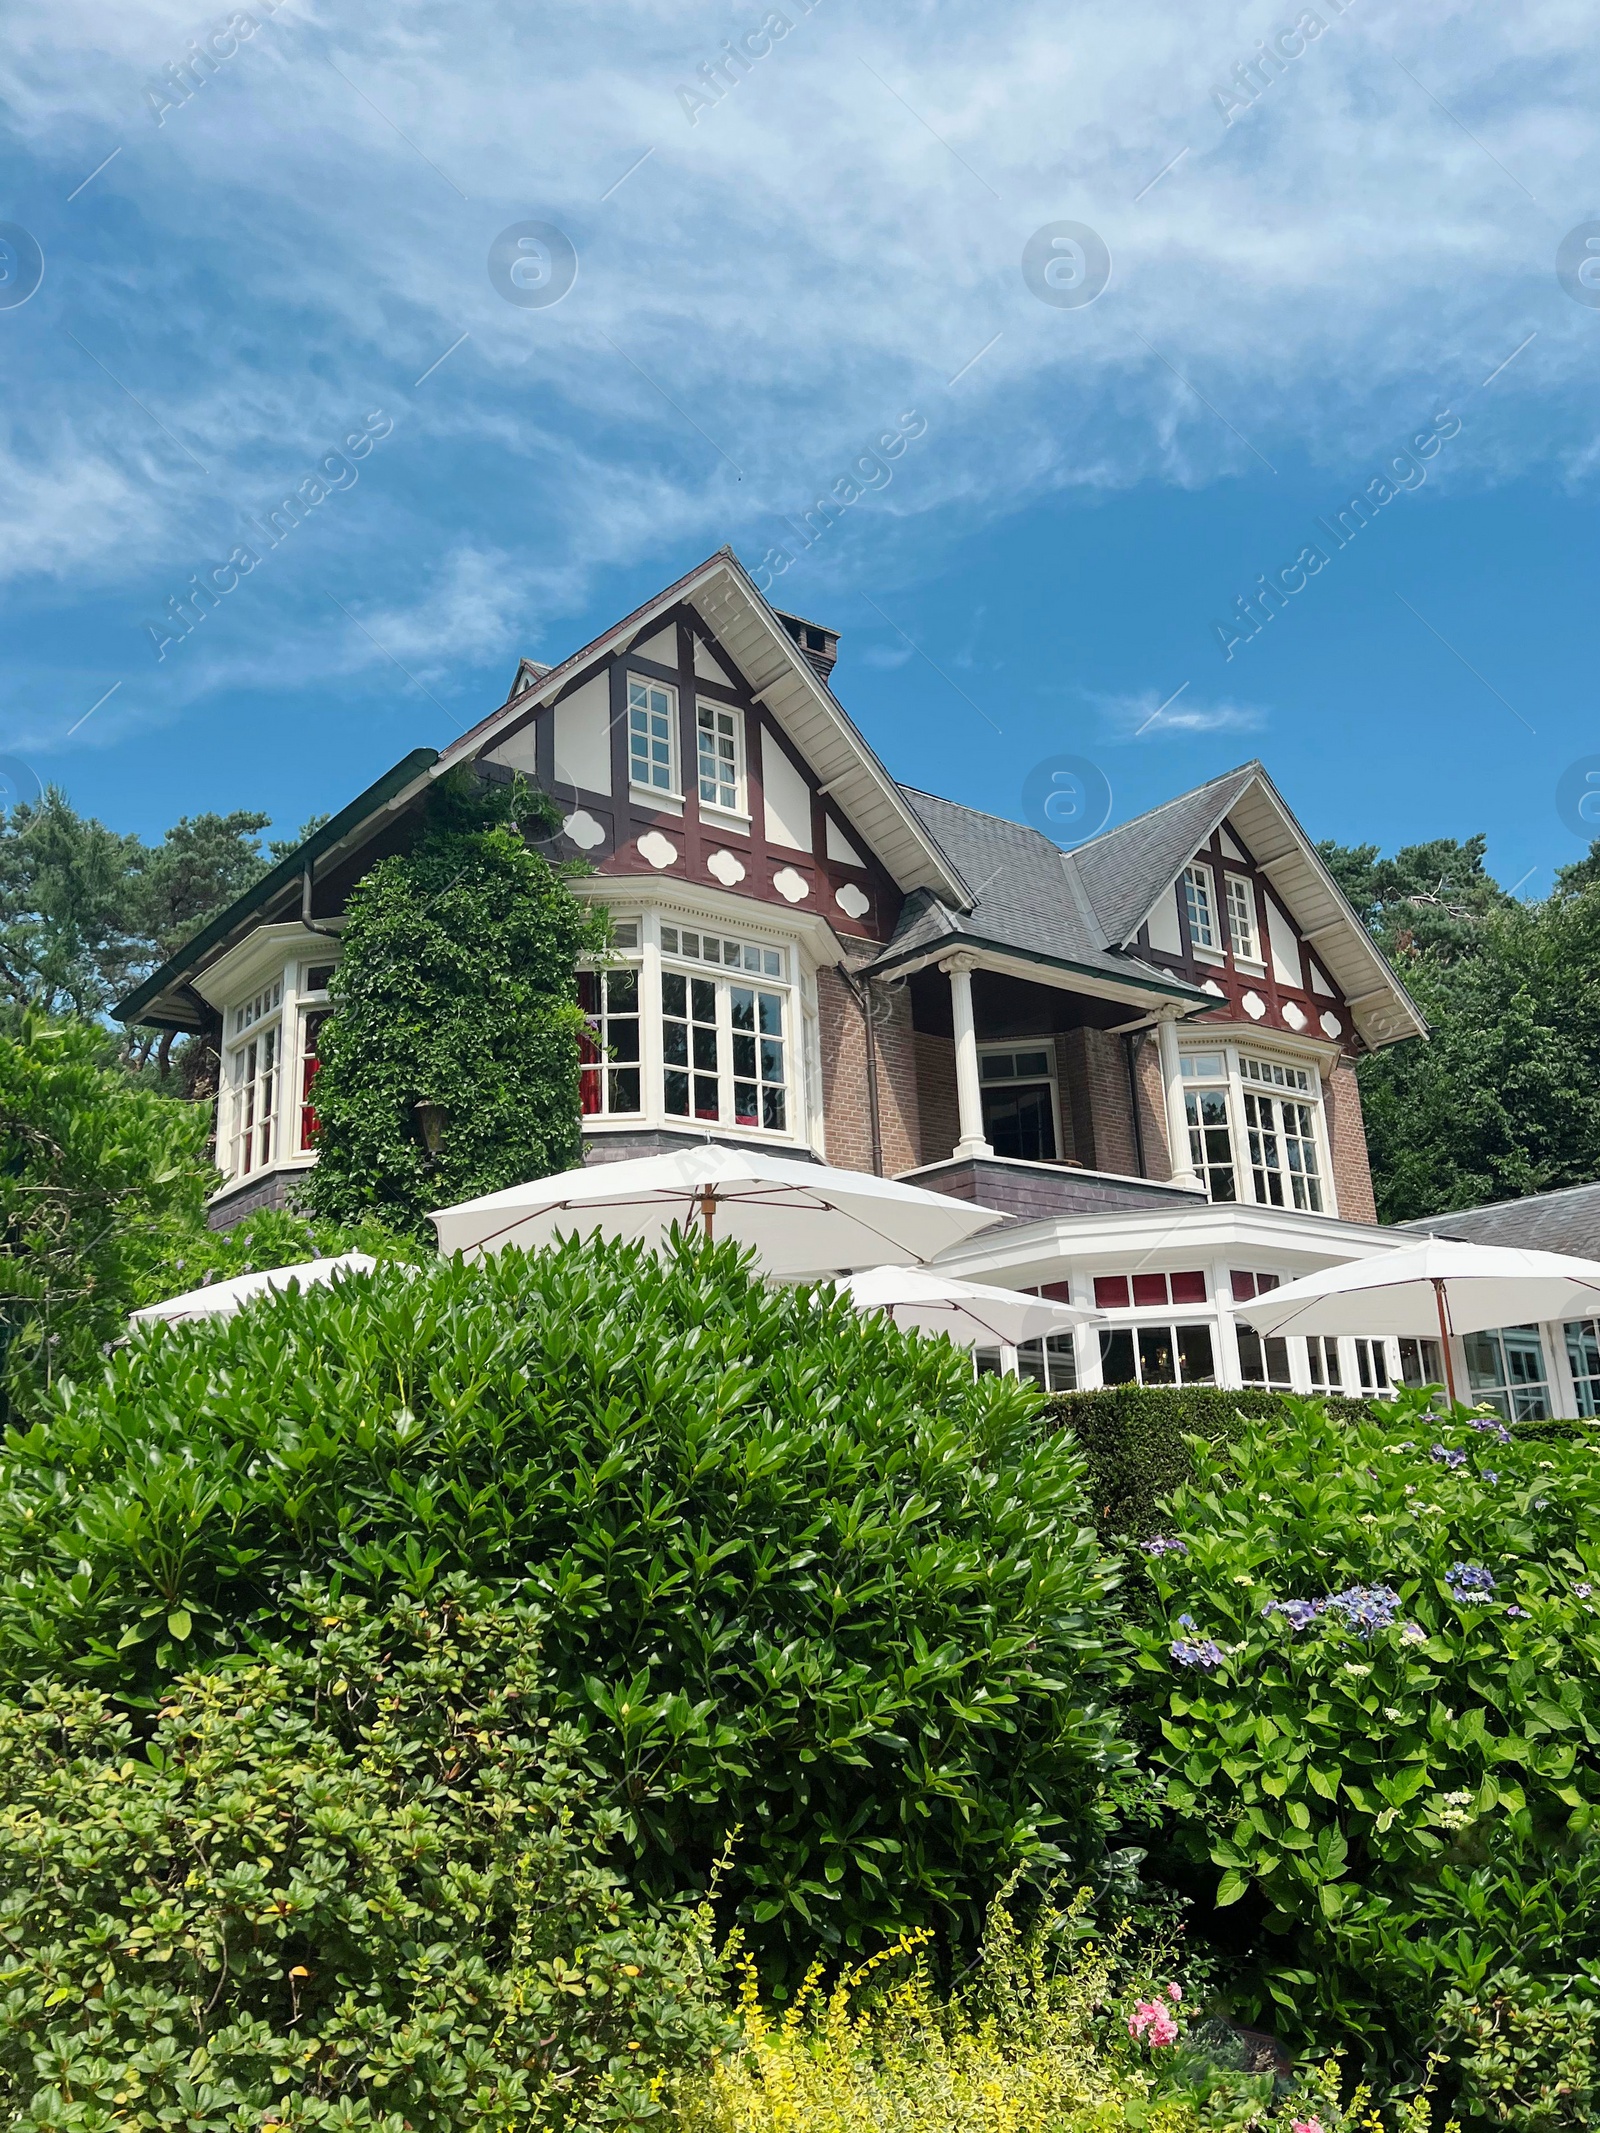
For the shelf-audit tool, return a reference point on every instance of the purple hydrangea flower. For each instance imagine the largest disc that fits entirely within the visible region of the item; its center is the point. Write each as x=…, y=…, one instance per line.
x=1468, y=1580
x=1521, y=1613
x=1489, y=1474
x=1162, y=1546
x=1367, y=1608
x=1491, y=1428
x=1199, y=1652
x=1443, y=1455
x=1299, y=1614
x=1413, y=1633
x=1583, y=1591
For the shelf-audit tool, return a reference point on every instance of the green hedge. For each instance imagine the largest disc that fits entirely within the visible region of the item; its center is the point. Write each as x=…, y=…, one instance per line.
x=1133, y=1437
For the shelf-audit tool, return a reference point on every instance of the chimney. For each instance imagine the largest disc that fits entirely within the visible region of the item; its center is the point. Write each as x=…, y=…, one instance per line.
x=820, y=646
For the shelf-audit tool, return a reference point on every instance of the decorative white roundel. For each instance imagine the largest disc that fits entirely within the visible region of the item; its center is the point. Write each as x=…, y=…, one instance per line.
x=584, y=831
x=1212, y=986
x=851, y=901
x=1294, y=1014
x=659, y=850
x=792, y=887
x=726, y=868
x=1252, y=1003
x=1332, y=1026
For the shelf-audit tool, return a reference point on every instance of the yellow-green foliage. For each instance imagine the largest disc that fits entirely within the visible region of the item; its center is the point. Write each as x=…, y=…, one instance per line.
x=1037, y=2041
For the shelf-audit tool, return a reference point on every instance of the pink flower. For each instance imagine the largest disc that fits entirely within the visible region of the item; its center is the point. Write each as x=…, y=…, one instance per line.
x=1151, y=2016
x=1163, y=2030
x=1174, y=1993
x=1306, y=2125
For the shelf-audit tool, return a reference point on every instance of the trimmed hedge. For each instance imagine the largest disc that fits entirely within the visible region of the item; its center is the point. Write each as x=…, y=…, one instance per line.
x=1134, y=1438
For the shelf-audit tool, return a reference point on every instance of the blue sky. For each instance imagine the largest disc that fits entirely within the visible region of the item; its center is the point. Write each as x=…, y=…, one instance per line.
x=1306, y=275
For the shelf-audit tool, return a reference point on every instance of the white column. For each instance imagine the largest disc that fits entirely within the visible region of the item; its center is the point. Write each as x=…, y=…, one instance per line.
x=652, y=1093
x=969, y=1092
x=1182, y=1166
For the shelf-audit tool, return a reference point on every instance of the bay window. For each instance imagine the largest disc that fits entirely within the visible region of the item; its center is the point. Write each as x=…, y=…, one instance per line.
x=1255, y=1131
x=692, y=1025
x=250, y=1072
x=1506, y=1371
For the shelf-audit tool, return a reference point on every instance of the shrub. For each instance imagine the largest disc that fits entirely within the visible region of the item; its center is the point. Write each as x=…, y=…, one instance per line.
x=1044, y=2038
x=1136, y=1440
x=360, y=1886
x=456, y=986
x=1373, y=1688
x=802, y=1573
x=99, y=1180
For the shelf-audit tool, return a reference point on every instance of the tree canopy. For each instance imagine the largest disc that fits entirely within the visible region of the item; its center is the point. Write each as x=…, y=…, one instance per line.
x=1504, y=1097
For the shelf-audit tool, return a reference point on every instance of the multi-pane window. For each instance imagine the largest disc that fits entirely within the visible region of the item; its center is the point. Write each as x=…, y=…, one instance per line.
x=716, y=948
x=1583, y=1354
x=310, y=1060
x=1372, y=1366
x=253, y=1096
x=1120, y=1292
x=724, y=1052
x=1506, y=1371
x=652, y=735
x=1197, y=902
x=1420, y=1362
x=1322, y=1361
x=1285, y=1170
x=266, y=1002
x=1019, y=1105
x=1051, y=1362
x=1157, y=1355
x=608, y=1051
x=1263, y=1359
x=1242, y=938
x=1205, y=1102
x=721, y=768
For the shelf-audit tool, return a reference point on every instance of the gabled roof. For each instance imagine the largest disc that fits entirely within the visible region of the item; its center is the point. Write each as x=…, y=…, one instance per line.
x=1567, y=1220
x=1024, y=899
x=165, y=989
x=1127, y=872
x=783, y=678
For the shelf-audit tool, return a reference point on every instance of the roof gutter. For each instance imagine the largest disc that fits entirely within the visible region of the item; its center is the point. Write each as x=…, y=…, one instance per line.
x=1100, y=982
x=289, y=873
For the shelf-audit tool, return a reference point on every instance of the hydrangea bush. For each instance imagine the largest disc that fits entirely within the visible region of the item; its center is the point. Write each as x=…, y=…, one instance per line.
x=1372, y=1679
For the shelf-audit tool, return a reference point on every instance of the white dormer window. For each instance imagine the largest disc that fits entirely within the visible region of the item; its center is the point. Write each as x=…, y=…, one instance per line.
x=721, y=738
x=653, y=736
x=1243, y=938
x=1198, y=903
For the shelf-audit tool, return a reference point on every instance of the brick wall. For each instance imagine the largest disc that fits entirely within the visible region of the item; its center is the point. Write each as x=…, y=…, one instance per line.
x=1347, y=1136
x=937, y=1110
x=846, y=1090
x=1153, y=1110
x=1102, y=1116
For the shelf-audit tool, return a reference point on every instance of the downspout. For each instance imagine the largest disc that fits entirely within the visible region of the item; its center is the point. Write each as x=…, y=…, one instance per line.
x=1131, y=1040
x=862, y=995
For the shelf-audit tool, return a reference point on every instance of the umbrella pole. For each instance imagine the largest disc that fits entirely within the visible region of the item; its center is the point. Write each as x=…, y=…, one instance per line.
x=1444, y=1339
x=708, y=1204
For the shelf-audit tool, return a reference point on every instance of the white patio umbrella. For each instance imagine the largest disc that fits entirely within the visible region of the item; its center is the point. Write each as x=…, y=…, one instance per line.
x=970, y=1313
x=801, y=1218
x=1433, y=1290
x=222, y=1298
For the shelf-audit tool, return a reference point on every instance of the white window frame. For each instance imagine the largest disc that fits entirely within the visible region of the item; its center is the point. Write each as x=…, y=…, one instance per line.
x=738, y=807
x=651, y=785
x=1200, y=910
x=252, y=1086
x=1008, y=1049
x=627, y=956
x=1244, y=920
x=1240, y=1129
x=1517, y=1397
x=309, y=1002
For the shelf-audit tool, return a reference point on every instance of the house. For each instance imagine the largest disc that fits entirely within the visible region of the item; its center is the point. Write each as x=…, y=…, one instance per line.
x=1530, y=1372
x=1142, y=1051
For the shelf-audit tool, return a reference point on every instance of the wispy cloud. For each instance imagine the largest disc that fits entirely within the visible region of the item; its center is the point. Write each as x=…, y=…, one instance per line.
x=1150, y=716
